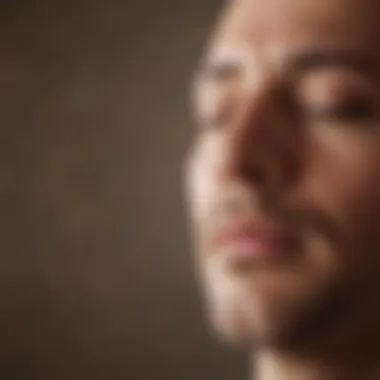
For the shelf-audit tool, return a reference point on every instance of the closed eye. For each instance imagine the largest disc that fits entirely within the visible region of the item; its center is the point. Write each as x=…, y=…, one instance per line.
x=357, y=110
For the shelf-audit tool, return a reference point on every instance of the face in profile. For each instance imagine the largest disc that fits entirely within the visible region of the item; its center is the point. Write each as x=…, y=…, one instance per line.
x=283, y=178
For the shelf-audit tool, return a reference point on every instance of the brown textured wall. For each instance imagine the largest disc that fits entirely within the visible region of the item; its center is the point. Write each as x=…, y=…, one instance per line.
x=95, y=276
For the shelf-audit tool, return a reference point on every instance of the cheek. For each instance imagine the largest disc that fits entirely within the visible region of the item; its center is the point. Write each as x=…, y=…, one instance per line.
x=202, y=183
x=344, y=181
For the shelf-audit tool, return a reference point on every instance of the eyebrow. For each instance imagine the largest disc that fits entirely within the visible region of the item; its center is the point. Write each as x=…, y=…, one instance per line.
x=302, y=62
x=320, y=59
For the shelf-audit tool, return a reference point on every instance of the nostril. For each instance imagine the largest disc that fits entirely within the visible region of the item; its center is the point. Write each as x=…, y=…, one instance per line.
x=248, y=165
x=255, y=173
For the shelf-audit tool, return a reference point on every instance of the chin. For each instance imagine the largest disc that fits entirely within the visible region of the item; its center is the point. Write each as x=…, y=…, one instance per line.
x=268, y=306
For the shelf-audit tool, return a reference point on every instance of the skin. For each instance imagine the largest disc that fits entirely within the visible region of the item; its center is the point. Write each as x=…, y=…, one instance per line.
x=287, y=100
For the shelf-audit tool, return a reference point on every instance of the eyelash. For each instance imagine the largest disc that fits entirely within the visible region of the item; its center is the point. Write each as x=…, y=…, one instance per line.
x=350, y=111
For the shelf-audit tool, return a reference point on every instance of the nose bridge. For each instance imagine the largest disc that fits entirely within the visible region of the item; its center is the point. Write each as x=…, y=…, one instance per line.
x=263, y=140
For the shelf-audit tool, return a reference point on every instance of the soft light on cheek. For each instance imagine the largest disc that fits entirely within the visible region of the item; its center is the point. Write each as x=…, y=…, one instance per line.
x=200, y=189
x=207, y=101
x=202, y=183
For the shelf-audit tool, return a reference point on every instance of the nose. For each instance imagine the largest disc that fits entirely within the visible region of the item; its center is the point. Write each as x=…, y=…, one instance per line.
x=264, y=141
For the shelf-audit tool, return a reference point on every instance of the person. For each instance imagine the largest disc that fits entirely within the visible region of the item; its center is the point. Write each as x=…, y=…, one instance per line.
x=283, y=185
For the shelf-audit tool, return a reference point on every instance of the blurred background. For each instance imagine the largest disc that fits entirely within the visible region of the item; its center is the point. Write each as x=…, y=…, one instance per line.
x=96, y=276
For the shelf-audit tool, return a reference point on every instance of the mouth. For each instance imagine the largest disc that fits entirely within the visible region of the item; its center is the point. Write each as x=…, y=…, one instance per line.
x=247, y=242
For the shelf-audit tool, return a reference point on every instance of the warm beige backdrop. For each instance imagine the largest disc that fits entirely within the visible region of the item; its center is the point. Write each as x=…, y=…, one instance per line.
x=95, y=277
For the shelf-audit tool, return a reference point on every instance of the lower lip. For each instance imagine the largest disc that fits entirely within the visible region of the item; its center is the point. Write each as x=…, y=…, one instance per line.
x=257, y=249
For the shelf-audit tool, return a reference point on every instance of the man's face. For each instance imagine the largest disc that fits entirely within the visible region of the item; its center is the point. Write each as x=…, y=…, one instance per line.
x=284, y=177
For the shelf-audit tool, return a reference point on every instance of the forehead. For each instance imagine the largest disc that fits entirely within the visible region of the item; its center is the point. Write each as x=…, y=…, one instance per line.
x=280, y=24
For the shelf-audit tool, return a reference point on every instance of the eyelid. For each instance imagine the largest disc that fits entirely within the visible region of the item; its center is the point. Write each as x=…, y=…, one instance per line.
x=361, y=63
x=354, y=109
x=330, y=86
x=221, y=69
